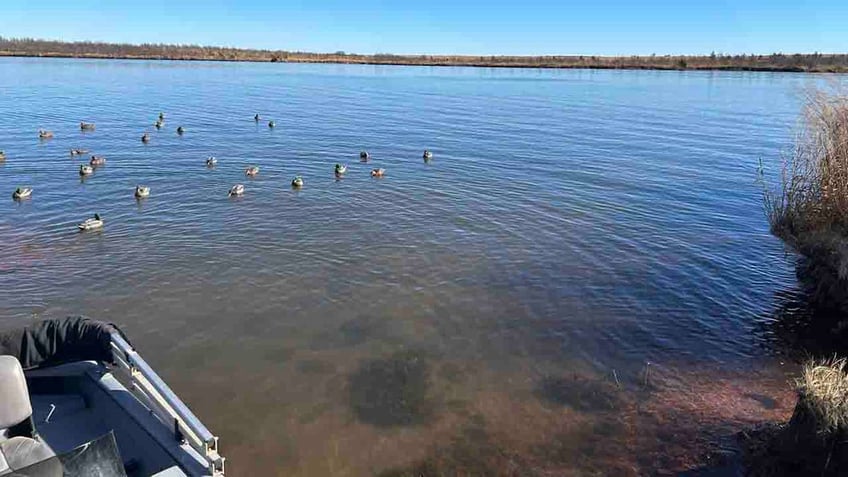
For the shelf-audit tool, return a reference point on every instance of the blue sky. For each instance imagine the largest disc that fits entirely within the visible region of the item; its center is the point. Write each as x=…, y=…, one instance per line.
x=529, y=27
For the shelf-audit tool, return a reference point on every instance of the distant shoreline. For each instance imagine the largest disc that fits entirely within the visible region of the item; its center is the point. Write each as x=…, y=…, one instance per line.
x=777, y=62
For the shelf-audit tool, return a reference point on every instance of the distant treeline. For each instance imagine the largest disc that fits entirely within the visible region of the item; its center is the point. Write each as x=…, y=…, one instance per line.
x=813, y=62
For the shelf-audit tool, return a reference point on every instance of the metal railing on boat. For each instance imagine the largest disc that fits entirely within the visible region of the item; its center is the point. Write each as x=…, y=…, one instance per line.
x=167, y=405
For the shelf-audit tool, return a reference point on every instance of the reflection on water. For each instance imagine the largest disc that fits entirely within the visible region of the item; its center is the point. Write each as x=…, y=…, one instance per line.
x=493, y=308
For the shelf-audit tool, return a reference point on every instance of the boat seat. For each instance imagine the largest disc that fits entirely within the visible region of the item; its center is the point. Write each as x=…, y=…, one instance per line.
x=15, y=407
x=18, y=452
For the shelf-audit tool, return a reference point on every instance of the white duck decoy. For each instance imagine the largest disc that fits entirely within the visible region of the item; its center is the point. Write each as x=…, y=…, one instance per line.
x=78, y=152
x=252, y=171
x=97, y=161
x=340, y=169
x=42, y=134
x=427, y=155
x=87, y=126
x=211, y=161
x=378, y=172
x=236, y=190
x=297, y=182
x=93, y=223
x=86, y=170
x=141, y=191
x=22, y=193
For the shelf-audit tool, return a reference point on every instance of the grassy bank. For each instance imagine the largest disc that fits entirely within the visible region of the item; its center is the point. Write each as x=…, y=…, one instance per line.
x=809, y=208
x=815, y=440
x=814, y=62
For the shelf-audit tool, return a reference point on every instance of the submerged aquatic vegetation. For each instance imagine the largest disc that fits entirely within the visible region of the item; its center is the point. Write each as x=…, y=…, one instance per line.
x=579, y=393
x=392, y=391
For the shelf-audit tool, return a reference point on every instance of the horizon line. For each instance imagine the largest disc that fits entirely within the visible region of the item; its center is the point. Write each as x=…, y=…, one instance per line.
x=452, y=55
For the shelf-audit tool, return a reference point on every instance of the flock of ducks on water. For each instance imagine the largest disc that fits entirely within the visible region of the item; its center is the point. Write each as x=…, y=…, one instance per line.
x=141, y=191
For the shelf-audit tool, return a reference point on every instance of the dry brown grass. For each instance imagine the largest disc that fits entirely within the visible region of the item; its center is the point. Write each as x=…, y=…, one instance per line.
x=823, y=391
x=809, y=208
x=814, y=441
x=813, y=195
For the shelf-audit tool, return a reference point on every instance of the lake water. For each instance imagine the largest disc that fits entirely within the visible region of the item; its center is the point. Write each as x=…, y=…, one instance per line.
x=580, y=281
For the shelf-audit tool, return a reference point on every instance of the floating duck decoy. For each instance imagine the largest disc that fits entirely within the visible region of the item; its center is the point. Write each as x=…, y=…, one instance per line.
x=211, y=161
x=86, y=170
x=161, y=116
x=21, y=193
x=180, y=130
x=145, y=138
x=364, y=156
x=159, y=124
x=141, y=191
x=78, y=152
x=97, y=161
x=236, y=190
x=297, y=182
x=93, y=223
x=272, y=124
x=87, y=126
x=252, y=171
x=340, y=169
x=427, y=155
x=42, y=134
x=2, y=156
x=378, y=172
x=257, y=118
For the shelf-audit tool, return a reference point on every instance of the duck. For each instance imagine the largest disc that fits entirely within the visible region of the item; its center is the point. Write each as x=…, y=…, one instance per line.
x=297, y=182
x=93, y=223
x=158, y=124
x=87, y=126
x=2, y=156
x=341, y=169
x=78, y=152
x=145, y=138
x=141, y=191
x=378, y=172
x=86, y=170
x=364, y=156
x=161, y=117
x=42, y=134
x=427, y=154
x=252, y=171
x=257, y=118
x=97, y=161
x=180, y=130
x=236, y=190
x=21, y=193
x=272, y=124
x=211, y=161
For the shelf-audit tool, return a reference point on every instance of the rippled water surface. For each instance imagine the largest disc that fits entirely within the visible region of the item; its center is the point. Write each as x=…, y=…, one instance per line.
x=491, y=311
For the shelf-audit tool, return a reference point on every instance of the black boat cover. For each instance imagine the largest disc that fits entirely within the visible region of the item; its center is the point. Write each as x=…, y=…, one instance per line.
x=58, y=341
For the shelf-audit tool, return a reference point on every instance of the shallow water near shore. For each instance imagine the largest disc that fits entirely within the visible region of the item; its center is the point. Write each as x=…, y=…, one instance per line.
x=577, y=282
